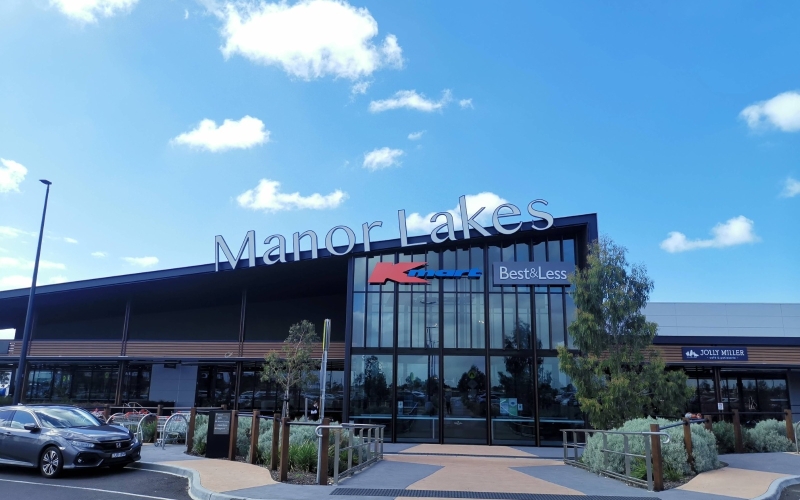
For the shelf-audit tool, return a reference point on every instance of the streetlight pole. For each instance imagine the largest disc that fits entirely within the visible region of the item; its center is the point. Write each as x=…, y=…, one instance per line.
x=19, y=380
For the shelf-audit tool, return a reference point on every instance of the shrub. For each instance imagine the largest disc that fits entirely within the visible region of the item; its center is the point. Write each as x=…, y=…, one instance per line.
x=768, y=436
x=200, y=432
x=148, y=430
x=674, y=455
x=303, y=456
x=726, y=440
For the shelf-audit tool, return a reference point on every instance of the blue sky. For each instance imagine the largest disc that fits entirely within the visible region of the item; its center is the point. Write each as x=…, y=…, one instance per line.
x=661, y=118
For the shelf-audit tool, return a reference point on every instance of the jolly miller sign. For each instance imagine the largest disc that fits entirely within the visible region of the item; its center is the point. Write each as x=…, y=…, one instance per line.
x=441, y=233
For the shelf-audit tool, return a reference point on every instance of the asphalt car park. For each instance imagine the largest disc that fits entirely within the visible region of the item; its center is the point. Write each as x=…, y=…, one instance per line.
x=92, y=484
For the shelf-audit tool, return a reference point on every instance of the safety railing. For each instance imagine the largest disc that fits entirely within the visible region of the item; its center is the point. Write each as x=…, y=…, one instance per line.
x=364, y=439
x=652, y=454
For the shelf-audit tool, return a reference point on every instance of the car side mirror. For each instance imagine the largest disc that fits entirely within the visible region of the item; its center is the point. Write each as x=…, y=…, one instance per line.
x=31, y=427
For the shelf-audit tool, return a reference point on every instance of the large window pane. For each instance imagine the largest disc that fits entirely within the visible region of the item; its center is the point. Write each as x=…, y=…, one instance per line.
x=569, y=251
x=359, y=274
x=476, y=261
x=539, y=252
x=387, y=320
x=417, y=401
x=557, y=316
x=523, y=322
x=558, y=405
x=449, y=322
x=371, y=390
x=478, y=322
x=554, y=250
x=404, y=320
x=359, y=318
x=373, y=319
x=449, y=262
x=496, y=320
x=512, y=400
x=542, y=321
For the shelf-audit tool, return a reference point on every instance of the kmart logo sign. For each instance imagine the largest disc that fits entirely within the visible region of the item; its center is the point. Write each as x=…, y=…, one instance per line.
x=411, y=273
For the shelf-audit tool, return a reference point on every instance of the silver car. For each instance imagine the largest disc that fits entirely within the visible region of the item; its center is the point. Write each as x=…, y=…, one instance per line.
x=53, y=438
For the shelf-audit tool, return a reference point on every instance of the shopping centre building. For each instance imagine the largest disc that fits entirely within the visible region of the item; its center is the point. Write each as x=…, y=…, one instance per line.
x=445, y=338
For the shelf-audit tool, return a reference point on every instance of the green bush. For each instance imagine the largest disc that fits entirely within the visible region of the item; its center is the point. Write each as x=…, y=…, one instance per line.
x=303, y=456
x=726, y=440
x=148, y=430
x=200, y=434
x=768, y=436
x=704, y=450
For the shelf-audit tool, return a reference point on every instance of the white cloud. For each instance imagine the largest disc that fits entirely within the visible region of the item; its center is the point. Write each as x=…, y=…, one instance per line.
x=14, y=282
x=11, y=175
x=57, y=279
x=71, y=240
x=466, y=103
x=382, y=158
x=309, y=39
x=99, y=255
x=141, y=261
x=14, y=263
x=791, y=188
x=409, y=99
x=392, y=52
x=360, y=87
x=87, y=10
x=422, y=224
x=267, y=197
x=735, y=231
x=781, y=112
x=415, y=136
x=232, y=134
x=186, y=13
x=12, y=232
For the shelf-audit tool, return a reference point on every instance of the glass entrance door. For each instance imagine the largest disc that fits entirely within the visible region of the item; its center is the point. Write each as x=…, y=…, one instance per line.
x=418, y=399
x=465, y=403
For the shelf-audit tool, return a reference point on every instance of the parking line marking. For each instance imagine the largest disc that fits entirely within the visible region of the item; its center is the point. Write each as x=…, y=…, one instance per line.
x=86, y=489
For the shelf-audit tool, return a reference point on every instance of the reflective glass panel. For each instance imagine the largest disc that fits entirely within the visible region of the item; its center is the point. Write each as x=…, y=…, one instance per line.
x=371, y=378
x=359, y=313
x=558, y=404
x=512, y=400
x=466, y=405
x=418, y=399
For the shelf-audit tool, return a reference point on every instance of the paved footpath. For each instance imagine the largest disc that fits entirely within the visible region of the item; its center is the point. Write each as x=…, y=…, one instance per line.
x=481, y=473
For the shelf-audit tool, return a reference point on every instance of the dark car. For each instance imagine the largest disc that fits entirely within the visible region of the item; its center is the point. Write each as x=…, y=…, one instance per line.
x=53, y=438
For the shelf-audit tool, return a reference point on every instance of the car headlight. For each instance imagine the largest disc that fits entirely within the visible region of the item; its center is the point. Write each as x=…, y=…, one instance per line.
x=81, y=444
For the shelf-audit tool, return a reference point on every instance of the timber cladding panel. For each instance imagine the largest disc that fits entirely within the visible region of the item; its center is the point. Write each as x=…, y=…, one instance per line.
x=74, y=349
x=757, y=355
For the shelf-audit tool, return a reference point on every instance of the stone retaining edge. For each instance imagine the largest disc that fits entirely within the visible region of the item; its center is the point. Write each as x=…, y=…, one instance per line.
x=196, y=490
x=776, y=488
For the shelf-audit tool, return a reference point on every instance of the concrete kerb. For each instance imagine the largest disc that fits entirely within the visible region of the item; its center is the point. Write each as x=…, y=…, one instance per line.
x=196, y=490
x=776, y=488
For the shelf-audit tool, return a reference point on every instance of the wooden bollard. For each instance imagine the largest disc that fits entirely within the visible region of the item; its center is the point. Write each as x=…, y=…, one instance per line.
x=254, y=438
x=787, y=416
x=284, y=450
x=106, y=411
x=276, y=433
x=323, y=450
x=159, y=410
x=658, y=465
x=687, y=442
x=737, y=432
x=234, y=431
x=190, y=430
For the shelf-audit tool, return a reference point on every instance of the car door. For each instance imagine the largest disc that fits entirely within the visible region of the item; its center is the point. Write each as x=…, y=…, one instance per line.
x=22, y=445
x=5, y=421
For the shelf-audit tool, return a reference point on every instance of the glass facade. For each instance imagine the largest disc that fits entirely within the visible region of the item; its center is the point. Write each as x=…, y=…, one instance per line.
x=462, y=360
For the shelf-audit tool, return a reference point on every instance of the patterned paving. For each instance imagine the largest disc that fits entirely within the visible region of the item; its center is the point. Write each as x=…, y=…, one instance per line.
x=400, y=493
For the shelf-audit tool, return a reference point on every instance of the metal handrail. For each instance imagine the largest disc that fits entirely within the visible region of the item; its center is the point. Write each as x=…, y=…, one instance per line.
x=371, y=446
x=796, y=433
x=166, y=433
x=575, y=445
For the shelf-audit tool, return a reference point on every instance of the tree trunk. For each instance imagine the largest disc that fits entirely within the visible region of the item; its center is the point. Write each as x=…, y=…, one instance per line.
x=286, y=403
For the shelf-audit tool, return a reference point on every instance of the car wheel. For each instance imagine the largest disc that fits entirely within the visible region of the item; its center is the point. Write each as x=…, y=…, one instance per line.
x=51, y=463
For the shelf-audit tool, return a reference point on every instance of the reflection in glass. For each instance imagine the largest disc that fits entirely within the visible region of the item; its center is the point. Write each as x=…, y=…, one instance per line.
x=359, y=274
x=371, y=390
x=417, y=400
x=359, y=312
x=554, y=250
x=512, y=400
x=542, y=320
x=466, y=405
x=569, y=251
x=539, y=252
x=558, y=404
x=387, y=319
x=373, y=319
x=557, y=316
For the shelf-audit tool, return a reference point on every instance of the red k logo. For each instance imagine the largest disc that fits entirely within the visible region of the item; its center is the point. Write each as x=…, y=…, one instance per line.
x=386, y=271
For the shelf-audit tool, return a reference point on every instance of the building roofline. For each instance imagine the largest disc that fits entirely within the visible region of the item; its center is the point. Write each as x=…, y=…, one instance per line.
x=419, y=242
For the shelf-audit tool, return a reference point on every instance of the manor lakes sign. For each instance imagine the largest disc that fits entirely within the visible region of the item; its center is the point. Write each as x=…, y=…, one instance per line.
x=445, y=231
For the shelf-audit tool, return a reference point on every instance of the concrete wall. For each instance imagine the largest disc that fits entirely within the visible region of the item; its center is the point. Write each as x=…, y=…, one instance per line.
x=676, y=319
x=794, y=393
x=173, y=384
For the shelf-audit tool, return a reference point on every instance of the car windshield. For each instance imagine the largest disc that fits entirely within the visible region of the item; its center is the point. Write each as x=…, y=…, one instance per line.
x=60, y=418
